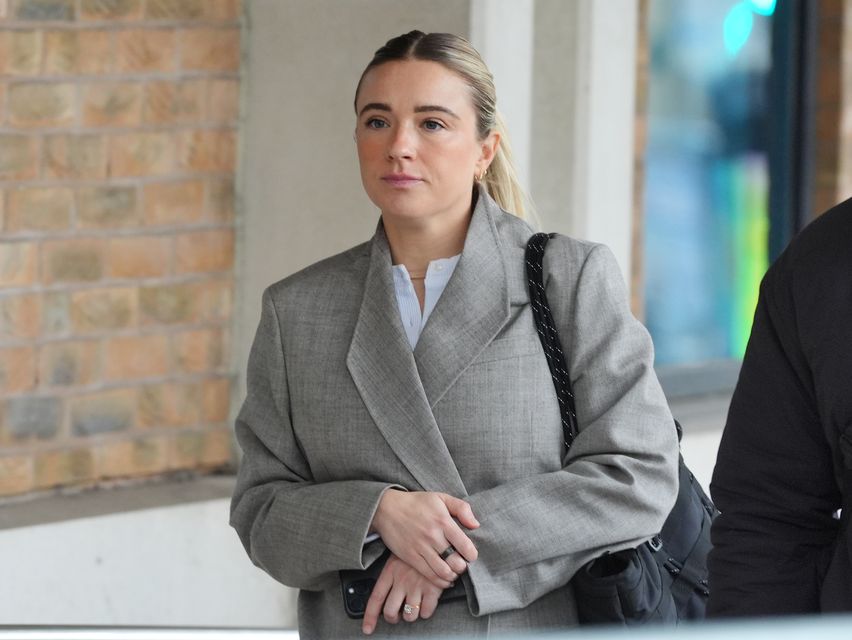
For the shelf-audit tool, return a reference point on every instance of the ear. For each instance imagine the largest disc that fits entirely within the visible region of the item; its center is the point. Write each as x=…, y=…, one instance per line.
x=488, y=149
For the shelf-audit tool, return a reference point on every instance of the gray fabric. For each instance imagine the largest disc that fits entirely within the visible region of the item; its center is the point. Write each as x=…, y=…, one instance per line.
x=339, y=409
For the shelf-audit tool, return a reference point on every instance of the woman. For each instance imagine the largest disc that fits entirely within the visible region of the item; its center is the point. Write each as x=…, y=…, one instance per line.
x=443, y=438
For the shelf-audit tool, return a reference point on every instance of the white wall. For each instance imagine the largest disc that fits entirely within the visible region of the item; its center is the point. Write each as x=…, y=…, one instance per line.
x=177, y=565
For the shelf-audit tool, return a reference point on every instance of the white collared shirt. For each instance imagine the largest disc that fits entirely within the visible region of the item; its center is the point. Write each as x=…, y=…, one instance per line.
x=437, y=276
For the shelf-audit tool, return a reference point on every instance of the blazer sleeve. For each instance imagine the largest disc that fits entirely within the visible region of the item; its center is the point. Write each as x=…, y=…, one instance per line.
x=619, y=481
x=277, y=508
x=773, y=481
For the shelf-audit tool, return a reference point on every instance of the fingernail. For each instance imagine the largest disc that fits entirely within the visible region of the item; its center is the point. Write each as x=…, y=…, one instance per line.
x=368, y=630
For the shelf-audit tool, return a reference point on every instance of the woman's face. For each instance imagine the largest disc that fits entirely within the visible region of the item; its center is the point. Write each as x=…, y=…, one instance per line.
x=417, y=141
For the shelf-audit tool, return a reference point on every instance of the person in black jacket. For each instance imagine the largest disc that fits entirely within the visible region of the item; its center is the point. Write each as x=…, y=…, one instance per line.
x=780, y=544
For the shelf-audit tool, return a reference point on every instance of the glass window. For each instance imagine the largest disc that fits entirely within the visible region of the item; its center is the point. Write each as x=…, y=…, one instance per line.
x=707, y=175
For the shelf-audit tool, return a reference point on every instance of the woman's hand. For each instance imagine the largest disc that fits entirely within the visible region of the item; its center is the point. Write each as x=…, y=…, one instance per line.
x=419, y=526
x=400, y=584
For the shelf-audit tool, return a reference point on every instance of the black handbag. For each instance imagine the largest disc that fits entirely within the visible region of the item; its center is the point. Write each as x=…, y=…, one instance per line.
x=662, y=580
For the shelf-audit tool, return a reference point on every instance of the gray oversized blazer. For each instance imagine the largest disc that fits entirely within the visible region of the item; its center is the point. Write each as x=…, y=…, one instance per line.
x=339, y=408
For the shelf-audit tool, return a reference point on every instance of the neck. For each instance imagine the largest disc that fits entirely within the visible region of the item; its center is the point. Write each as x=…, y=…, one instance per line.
x=416, y=243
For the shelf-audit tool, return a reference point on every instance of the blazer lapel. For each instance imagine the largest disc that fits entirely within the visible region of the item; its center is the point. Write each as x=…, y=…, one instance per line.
x=472, y=309
x=383, y=369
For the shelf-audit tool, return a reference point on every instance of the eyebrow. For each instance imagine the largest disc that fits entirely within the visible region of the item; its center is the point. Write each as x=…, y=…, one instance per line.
x=381, y=106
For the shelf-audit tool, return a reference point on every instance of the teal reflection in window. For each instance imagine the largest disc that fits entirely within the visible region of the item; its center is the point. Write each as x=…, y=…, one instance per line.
x=706, y=190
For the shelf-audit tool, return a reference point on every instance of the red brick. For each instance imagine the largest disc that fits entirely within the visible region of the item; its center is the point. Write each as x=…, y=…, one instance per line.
x=64, y=468
x=138, y=457
x=205, y=251
x=220, y=200
x=20, y=316
x=185, y=450
x=18, y=264
x=175, y=9
x=170, y=102
x=139, y=257
x=87, y=52
x=170, y=405
x=218, y=448
x=112, y=104
x=56, y=313
x=132, y=357
x=224, y=10
x=103, y=309
x=209, y=151
x=200, y=350
x=16, y=475
x=17, y=370
x=73, y=260
x=111, y=9
x=223, y=101
x=208, y=49
x=206, y=449
x=41, y=105
x=38, y=209
x=75, y=156
x=32, y=417
x=145, y=50
x=216, y=299
x=18, y=157
x=103, y=412
x=107, y=207
x=43, y=10
x=20, y=52
x=70, y=363
x=171, y=203
x=142, y=154
x=171, y=303
x=216, y=400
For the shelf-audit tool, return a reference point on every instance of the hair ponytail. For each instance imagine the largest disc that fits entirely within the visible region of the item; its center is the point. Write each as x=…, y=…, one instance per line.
x=501, y=180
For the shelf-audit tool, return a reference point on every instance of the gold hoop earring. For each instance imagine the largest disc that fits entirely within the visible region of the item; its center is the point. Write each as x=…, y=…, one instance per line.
x=482, y=175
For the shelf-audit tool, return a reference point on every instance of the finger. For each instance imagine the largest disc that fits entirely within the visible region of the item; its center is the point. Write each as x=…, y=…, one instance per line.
x=456, y=563
x=374, y=604
x=461, y=511
x=411, y=606
x=429, y=603
x=435, y=571
x=393, y=604
x=464, y=546
x=439, y=567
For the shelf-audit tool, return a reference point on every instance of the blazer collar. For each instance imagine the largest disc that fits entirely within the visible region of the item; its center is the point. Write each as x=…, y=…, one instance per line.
x=472, y=309
x=398, y=387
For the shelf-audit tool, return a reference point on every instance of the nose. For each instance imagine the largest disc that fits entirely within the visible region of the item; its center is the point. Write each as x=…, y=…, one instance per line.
x=401, y=145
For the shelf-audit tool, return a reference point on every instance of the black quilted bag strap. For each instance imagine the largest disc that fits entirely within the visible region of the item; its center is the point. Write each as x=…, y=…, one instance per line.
x=549, y=337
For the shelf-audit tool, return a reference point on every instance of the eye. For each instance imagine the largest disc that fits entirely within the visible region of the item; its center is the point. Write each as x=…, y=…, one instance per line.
x=433, y=125
x=375, y=123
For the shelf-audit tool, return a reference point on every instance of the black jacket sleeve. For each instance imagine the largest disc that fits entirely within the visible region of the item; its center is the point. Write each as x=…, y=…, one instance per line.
x=773, y=480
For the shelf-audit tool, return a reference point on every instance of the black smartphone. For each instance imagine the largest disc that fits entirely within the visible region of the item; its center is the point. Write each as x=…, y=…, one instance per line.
x=357, y=586
x=355, y=596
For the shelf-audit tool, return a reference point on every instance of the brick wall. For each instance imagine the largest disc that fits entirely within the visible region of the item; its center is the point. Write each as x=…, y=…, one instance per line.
x=833, y=117
x=844, y=173
x=117, y=153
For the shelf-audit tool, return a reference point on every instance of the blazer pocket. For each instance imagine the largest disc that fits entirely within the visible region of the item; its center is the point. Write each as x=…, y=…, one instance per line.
x=511, y=347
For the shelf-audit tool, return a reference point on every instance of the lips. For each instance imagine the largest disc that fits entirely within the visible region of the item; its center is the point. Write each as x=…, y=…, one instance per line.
x=401, y=180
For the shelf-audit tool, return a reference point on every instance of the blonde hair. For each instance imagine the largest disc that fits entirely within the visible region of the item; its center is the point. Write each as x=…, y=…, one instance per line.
x=458, y=55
